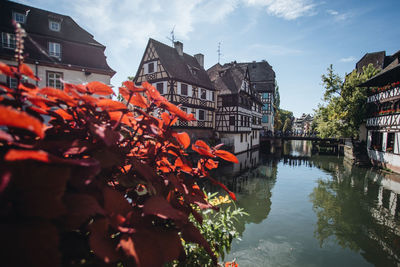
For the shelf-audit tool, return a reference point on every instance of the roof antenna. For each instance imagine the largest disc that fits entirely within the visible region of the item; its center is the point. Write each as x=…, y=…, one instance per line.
x=172, y=38
x=219, y=51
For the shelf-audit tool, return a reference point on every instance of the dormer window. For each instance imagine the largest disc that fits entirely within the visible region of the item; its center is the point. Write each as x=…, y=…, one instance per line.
x=54, y=25
x=54, y=49
x=151, y=67
x=19, y=17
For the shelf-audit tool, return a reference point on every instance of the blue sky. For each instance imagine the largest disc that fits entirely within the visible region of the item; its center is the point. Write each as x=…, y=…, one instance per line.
x=299, y=38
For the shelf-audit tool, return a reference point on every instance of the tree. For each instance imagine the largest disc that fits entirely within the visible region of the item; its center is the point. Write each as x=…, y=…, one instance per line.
x=345, y=107
x=287, y=126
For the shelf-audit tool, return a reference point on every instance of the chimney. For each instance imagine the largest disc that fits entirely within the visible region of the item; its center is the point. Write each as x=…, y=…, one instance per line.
x=200, y=58
x=179, y=47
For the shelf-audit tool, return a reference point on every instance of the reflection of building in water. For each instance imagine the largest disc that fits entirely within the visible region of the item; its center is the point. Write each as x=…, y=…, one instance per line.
x=247, y=160
x=361, y=208
x=297, y=148
x=252, y=188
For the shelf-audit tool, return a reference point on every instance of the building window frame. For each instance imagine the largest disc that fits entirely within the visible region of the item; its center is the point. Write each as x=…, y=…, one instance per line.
x=19, y=17
x=12, y=82
x=390, y=142
x=160, y=87
x=8, y=40
x=54, y=25
x=54, y=79
x=184, y=89
x=201, y=115
x=203, y=93
x=231, y=120
x=55, y=49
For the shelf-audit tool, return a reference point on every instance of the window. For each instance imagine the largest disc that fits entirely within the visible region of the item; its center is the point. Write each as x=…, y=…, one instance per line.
x=265, y=118
x=184, y=89
x=203, y=94
x=376, y=140
x=150, y=67
x=160, y=88
x=19, y=17
x=12, y=82
x=390, y=142
x=8, y=40
x=54, y=49
x=232, y=120
x=54, y=79
x=241, y=138
x=212, y=96
x=54, y=25
x=201, y=115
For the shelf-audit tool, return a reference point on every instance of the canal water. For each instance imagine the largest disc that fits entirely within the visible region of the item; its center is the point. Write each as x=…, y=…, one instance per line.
x=310, y=210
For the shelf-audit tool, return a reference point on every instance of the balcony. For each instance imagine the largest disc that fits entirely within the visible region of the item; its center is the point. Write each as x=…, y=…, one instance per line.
x=385, y=95
x=384, y=121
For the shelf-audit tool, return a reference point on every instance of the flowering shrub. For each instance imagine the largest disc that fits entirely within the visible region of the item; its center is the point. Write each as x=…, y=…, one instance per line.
x=386, y=87
x=85, y=180
x=218, y=227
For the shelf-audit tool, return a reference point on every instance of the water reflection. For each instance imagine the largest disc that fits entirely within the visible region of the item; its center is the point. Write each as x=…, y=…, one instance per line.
x=310, y=210
x=359, y=208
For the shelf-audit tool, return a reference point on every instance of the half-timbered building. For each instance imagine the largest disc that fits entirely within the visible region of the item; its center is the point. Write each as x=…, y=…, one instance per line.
x=383, y=121
x=57, y=49
x=181, y=78
x=262, y=78
x=238, y=117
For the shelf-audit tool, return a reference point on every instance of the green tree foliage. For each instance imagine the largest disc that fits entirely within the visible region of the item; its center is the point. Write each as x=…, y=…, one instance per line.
x=287, y=126
x=345, y=103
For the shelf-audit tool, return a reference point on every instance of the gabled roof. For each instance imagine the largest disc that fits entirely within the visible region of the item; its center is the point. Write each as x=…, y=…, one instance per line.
x=178, y=67
x=262, y=76
x=227, y=79
x=391, y=73
x=79, y=49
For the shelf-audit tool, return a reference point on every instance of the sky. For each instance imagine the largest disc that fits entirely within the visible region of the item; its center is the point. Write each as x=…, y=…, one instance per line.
x=298, y=38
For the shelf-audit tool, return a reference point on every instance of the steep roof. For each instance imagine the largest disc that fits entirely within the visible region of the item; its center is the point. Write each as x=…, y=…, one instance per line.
x=178, y=67
x=391, y=73
x=227, y=79
x=262, y=76
x=78, y=47
x=378, y=59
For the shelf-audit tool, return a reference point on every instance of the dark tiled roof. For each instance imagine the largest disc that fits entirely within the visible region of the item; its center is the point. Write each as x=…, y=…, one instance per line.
x=227, y=79
x=178, y=66
x=262, y=76
x=378, y=59
x=78, y=47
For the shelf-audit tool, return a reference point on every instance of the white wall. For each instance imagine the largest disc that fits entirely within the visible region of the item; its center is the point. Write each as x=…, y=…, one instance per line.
x=69, y=76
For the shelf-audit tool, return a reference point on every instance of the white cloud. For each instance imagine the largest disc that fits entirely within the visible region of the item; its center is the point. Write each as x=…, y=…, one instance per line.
x=347, y=59
x=338, y=16
x=287, y=9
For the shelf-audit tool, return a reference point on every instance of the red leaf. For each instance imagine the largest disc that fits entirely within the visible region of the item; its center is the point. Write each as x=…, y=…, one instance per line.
x=69, y=88
x=65, y=115
x=202, y=148
x=191, y=234
x=231, y=194
x=26, y=70
x=211, y=164
x=138, y=100
x=226, y=156
x=89, y=99
x=99, y=88
x=183, y=139
x=160, y=207
x=184, y=167
x=7, y=70
x=101, y=243
x=80, y=208
x=108, y=104
x=131, y=87
x=125, y=93
x=38, y=155
x=166, y=118
x=12, y=118
x=115, y=203
x=5, y=136
x=57, y=94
